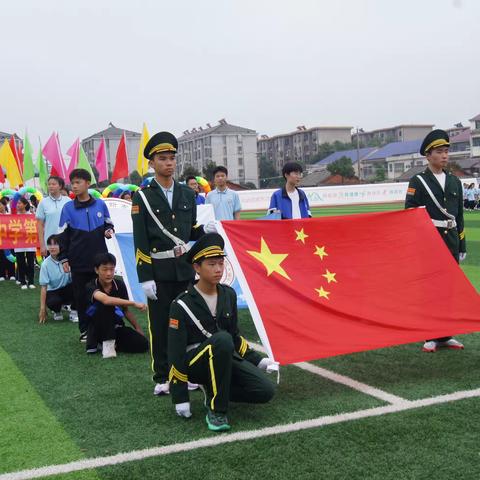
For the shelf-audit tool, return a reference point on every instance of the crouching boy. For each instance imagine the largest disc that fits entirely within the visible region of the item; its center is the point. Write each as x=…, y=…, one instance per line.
x=56, y=285
x=204, y=344
x=108, y=304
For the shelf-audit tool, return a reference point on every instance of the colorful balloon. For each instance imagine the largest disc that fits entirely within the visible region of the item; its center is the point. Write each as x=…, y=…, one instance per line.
x=204, y=184
x=26, y=192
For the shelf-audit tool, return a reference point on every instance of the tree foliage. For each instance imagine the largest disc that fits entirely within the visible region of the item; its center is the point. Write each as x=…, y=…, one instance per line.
x=343, y=167
x=208, y=171
x=189, y=171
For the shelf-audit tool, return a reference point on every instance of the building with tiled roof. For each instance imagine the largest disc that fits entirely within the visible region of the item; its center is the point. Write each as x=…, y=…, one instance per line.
x=398, y=133
x=475, y=136
x=300, y=145
x=224, y=144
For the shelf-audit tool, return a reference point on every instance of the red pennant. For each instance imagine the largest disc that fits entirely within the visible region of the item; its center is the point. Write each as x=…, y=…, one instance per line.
x=121, y=161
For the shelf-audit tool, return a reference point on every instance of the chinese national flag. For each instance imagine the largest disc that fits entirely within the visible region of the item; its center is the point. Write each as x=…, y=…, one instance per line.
x=121, y=161
x=330, y=286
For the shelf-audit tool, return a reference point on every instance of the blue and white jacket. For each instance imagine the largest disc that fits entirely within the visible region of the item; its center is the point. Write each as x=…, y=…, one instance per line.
x=281, y=201
x=82, y=229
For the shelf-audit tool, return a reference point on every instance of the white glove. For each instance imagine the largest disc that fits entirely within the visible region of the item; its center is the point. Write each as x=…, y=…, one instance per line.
x=462, y=256
x=183, y=410
x=268, y=365
x=150, y=289
x=210, y=227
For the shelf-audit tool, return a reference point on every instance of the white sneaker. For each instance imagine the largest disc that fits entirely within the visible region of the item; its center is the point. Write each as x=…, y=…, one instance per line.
x=23, y=287
x=57, y=316
x=108, y=349
x=12, y=278
x=451, y=343
x=2, y=279
x=32, y=286
x=17, y=282
x=192, y=386
x=161, y=389
x=73, y=316
x=430, y=346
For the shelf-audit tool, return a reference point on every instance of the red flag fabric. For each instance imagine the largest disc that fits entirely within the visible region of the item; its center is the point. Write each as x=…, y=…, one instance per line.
x=2, y=176
x=337, y=285
x=121, y=161
x=13, y=146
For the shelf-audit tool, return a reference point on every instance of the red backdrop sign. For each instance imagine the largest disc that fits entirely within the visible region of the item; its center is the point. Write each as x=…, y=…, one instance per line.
x=18, y=231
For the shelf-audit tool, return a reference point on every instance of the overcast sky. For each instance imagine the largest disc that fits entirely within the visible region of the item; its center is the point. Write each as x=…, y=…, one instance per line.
x=263, y=64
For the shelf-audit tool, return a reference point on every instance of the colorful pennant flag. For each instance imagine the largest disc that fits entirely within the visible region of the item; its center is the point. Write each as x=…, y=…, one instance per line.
x=85, y=164
x=101, y=162
x=121, y=160
x=13, y=147
x=2, y=175
x=7, y=160
x=73, y=152
x=28, y=168
x=142, y=162
x=329, y=286
x=51, y=151
x=42, y=171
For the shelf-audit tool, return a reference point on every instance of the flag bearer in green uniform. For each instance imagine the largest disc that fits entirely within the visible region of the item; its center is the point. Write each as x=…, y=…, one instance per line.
x=164, y=220
x=204, y=344
x=440, y=192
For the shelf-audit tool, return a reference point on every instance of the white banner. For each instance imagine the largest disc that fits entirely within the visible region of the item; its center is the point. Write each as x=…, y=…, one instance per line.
x=336, y=195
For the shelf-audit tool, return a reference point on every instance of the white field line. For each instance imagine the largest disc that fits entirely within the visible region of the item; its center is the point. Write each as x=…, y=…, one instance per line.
x=223, y=439
x=347, y=381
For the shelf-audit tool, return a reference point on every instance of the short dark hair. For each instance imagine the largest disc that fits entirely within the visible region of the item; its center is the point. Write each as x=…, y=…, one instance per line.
x=59, y=180
x=220, y=168
x=53, y=239
x=80, y=173
x=105, y=258
x=190, y=177
x=290, y=167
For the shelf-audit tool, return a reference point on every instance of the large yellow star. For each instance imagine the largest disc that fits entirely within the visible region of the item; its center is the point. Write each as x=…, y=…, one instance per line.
x=271, y=261
x=320, y=251
x=322, y=293
x=329, y=276
x=301, y=235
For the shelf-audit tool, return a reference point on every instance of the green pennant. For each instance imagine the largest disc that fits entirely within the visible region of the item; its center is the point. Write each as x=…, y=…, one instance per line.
x=83, y=163
x=28, y=168
x=42, y=171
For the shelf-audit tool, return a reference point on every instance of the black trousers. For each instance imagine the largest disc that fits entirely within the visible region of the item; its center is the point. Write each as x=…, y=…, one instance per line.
x=104, y=327
x=61, y=296
x=7, y=268
x=225, y=375
x=158, y=317
x=26, y=264
x=79, y=281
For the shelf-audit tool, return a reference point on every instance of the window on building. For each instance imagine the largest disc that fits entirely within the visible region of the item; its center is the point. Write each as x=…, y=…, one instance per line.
x=477, y=124
x=239, y=150
x=240, y=160
x=224, y=140
x=476, y=142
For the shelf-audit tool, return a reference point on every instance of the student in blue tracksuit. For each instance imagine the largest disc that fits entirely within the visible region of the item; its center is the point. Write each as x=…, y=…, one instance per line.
x=84, y=225
x=290, y=200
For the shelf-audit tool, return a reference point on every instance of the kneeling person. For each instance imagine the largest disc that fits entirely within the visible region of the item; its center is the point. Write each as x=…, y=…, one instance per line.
x=108, y=304
x=204, y=344
x=56, y=285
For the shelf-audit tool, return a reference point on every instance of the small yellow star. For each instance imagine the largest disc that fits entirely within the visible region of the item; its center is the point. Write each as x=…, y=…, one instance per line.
x=320, y=251
x=329, y=276
x=271, y=261
x=301, y=235
x=322, y=293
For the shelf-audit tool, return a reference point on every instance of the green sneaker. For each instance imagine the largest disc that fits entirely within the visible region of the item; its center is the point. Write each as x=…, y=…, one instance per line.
x=217, y=422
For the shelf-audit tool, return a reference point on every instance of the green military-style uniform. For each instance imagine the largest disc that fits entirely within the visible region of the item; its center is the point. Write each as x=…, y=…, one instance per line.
x=450, y=199
x=154, y=250
x=450, y=227
x=212, y=352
